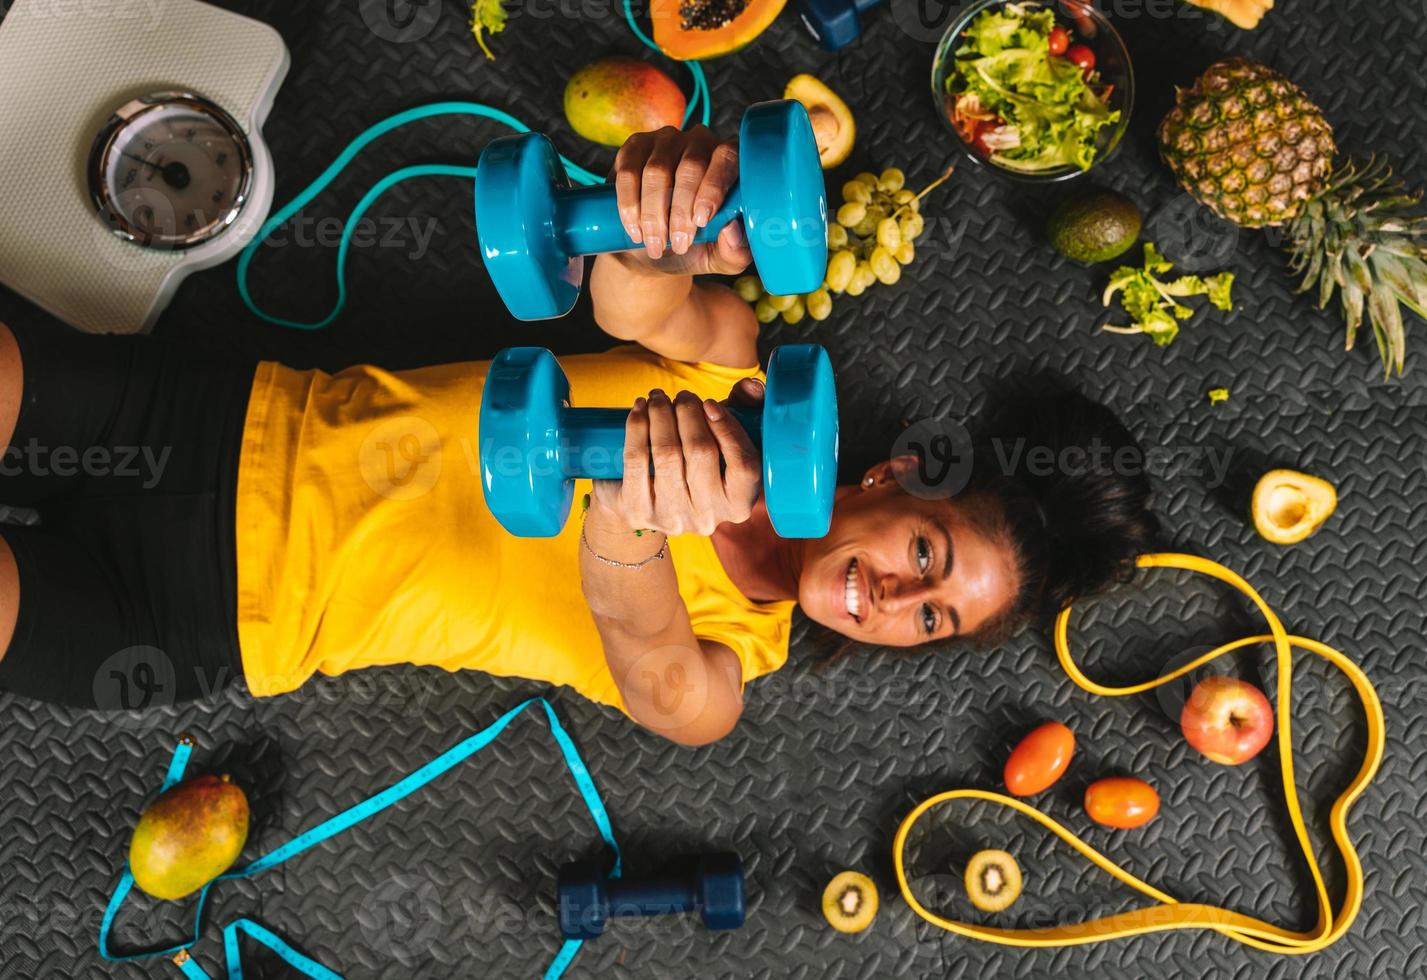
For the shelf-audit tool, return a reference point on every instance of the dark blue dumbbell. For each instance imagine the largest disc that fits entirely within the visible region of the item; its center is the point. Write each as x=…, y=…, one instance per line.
x=834, y=23
x=534, y=445
x=535, y=229
x=588, y=899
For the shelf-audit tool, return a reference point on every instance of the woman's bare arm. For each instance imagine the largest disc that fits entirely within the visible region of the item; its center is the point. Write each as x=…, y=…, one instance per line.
x=672, y=684
x=669, y=184
x=689, y=467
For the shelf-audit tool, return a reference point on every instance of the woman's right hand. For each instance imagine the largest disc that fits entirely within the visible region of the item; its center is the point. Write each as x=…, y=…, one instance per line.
x=689, y=466
x=669, y=184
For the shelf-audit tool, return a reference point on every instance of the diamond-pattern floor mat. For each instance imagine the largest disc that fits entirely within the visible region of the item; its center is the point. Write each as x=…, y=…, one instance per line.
x=458, y=882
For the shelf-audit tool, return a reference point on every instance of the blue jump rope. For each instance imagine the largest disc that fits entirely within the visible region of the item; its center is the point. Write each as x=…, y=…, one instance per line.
x=334, y=826
x=699, y=102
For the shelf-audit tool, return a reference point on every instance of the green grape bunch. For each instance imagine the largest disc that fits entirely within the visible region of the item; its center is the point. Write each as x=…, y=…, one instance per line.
x=869, y=243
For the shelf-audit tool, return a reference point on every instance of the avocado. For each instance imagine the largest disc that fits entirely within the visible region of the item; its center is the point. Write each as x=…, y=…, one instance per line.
x=189, y=836
x=1094, y=226
x=832, y=121
x=1288, y=506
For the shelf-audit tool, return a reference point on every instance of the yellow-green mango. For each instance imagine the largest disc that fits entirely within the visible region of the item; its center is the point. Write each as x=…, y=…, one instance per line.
x=189, y=836
x=610, y=100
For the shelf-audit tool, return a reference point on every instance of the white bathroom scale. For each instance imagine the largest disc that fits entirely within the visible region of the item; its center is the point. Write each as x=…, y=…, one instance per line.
x=131, y=151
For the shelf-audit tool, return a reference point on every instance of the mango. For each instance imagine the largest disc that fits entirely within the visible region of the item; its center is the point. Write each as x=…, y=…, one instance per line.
x=189, y=836
x=610, y=100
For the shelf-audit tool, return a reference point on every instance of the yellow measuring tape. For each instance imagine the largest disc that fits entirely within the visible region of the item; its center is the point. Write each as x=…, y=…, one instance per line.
x=1167, y=912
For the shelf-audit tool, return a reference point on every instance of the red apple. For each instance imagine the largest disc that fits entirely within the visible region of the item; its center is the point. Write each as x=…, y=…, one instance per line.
x=1227, y=719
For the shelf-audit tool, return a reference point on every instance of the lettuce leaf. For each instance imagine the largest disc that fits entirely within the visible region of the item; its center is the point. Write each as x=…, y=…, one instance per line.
x=487, y=16
x=1150, y=302
x=1219, y=288
x=1014, y=26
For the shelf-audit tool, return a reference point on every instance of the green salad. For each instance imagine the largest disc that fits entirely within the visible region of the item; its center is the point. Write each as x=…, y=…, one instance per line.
x=1025, y=94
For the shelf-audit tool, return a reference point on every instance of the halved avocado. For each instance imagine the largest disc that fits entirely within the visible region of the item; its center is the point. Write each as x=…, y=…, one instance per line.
x=832, y=119
x=1288, y=506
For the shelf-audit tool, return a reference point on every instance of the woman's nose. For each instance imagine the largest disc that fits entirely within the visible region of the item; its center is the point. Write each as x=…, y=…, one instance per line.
x=895, y=592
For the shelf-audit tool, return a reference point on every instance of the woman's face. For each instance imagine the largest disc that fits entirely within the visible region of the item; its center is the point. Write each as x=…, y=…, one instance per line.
x=897, y=570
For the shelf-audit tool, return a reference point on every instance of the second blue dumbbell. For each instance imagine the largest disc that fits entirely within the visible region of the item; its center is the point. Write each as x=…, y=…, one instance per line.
x=534, y=445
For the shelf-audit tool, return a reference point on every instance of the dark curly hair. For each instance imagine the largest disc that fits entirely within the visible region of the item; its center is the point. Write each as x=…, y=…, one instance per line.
x=1062, y=483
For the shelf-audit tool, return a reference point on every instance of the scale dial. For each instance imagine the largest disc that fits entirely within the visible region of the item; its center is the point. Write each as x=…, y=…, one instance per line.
x=170, y=171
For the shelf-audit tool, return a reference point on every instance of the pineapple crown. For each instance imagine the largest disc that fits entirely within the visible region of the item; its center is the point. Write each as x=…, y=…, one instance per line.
x=1360, y=235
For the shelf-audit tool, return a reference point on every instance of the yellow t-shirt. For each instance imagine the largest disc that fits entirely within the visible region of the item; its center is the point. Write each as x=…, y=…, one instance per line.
x=363, y=537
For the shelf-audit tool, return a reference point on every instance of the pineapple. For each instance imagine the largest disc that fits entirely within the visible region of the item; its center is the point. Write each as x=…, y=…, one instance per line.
x=1253, y=148
x=1249, y=144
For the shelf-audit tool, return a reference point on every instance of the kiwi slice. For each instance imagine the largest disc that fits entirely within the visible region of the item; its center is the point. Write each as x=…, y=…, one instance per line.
x=850, y=902
x=993, y=880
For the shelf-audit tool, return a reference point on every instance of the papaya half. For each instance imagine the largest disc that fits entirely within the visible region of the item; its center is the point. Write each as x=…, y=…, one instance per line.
x=692, y=30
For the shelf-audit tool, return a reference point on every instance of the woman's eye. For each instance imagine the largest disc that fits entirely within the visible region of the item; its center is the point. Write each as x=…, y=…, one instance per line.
x=924, y=555
x=928, y=619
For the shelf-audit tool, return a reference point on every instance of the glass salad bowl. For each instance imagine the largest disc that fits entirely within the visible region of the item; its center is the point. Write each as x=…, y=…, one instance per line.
x=989, y=139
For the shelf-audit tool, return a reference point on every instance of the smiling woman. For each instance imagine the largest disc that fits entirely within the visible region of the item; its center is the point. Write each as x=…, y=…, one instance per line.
x=302, y=523
x=1055, y=508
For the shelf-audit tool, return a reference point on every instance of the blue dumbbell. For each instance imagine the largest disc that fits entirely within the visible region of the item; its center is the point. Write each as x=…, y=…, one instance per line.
x=535, y=229
x=834, y=23
x=588, y=900
x=534, y=445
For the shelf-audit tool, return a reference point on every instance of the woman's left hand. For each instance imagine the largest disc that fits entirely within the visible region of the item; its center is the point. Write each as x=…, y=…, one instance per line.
x=669, y=184
x=689, y=466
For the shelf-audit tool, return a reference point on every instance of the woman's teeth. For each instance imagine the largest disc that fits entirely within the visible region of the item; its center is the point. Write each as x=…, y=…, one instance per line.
x=852, y=593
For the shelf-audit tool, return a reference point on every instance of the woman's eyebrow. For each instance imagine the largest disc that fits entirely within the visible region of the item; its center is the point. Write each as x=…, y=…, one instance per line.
x=951, y=612
x=946, y=548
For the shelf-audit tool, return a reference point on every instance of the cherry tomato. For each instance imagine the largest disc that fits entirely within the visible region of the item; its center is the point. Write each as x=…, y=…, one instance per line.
x=1059, y=40
x=1082, y=56
x=1040, y=759
x=1121, y=802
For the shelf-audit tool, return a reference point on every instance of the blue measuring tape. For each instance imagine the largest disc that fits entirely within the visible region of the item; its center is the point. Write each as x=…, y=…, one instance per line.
x=335, y=825
x=701, y=102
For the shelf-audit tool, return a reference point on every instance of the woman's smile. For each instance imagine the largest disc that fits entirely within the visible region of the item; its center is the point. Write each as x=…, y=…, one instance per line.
x=896, y=570
x=855, y=594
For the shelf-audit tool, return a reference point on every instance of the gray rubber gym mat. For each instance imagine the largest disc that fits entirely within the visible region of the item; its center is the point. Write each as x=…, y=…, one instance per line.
x=458, y=881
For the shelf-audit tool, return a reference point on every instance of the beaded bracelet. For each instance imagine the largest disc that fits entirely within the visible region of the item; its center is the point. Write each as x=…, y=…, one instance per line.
x=638, y=533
